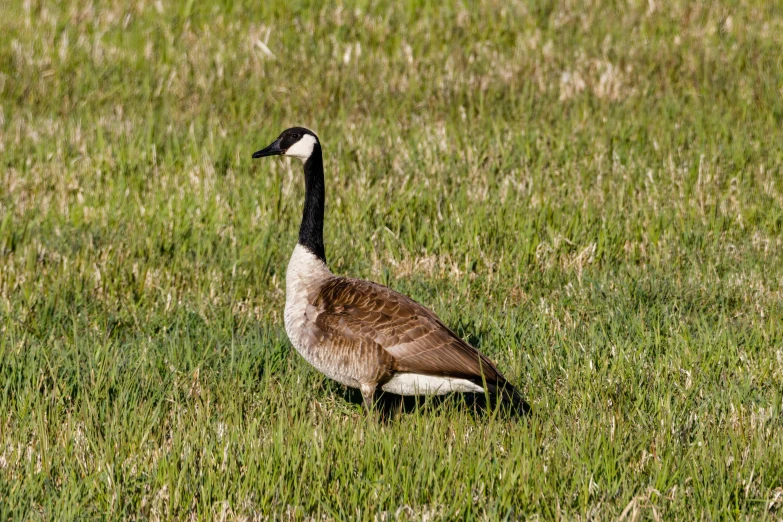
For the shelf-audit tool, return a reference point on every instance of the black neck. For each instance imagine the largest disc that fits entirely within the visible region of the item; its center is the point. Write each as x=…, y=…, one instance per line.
x=311, y=231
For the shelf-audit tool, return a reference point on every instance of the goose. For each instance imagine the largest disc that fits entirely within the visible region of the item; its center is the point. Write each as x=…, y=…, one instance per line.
x=362, y=334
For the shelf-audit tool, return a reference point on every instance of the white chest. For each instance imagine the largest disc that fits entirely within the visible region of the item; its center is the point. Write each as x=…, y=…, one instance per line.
x=304, y=277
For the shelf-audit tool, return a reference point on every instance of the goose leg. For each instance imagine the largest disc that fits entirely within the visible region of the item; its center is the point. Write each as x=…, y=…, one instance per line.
x=368, y=396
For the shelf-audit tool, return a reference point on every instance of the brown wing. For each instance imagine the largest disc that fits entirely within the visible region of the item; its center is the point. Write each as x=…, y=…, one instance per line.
x=414, y=336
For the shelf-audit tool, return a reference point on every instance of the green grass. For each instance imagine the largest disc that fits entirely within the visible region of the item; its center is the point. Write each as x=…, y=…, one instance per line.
x=591, y=193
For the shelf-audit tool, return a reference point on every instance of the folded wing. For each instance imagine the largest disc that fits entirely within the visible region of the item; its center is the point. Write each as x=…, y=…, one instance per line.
x=415, y=338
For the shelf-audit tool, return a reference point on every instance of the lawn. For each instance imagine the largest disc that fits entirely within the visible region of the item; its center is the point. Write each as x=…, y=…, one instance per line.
x=589, y=192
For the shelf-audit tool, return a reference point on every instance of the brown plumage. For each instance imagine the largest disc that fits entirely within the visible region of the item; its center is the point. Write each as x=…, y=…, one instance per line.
x=363, y=334
x=414, y=338
x=401, y=334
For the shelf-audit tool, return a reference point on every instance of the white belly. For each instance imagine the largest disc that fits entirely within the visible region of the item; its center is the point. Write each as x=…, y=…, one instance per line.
x=417, y=384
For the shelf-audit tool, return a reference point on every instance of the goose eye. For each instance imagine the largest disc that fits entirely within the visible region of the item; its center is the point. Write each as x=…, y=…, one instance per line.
x=295, y=136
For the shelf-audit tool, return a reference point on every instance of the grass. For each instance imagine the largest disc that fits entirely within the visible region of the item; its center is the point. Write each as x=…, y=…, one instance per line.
x=590, y=192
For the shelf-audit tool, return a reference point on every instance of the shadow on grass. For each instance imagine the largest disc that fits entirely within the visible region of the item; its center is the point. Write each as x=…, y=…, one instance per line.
x=478, y=405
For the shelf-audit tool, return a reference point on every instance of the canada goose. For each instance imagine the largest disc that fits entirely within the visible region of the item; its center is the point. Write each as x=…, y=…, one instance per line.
x=362, y=334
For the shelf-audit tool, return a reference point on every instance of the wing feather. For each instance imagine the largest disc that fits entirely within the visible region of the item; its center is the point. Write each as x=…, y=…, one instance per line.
x=414, y=336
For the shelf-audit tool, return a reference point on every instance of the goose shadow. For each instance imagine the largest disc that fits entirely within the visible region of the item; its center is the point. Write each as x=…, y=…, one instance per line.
x=391, y=406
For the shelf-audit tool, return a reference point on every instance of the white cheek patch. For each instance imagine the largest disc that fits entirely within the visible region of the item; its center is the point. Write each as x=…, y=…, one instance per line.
x=302, y=148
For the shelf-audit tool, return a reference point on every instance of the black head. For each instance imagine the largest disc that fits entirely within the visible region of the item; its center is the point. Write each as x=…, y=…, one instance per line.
x=296, y=142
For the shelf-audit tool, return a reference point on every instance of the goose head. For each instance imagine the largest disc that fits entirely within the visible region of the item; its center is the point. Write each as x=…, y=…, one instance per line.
x=296, y=142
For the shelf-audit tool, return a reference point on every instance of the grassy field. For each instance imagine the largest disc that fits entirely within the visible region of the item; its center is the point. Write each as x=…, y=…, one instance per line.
x=590, y=192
